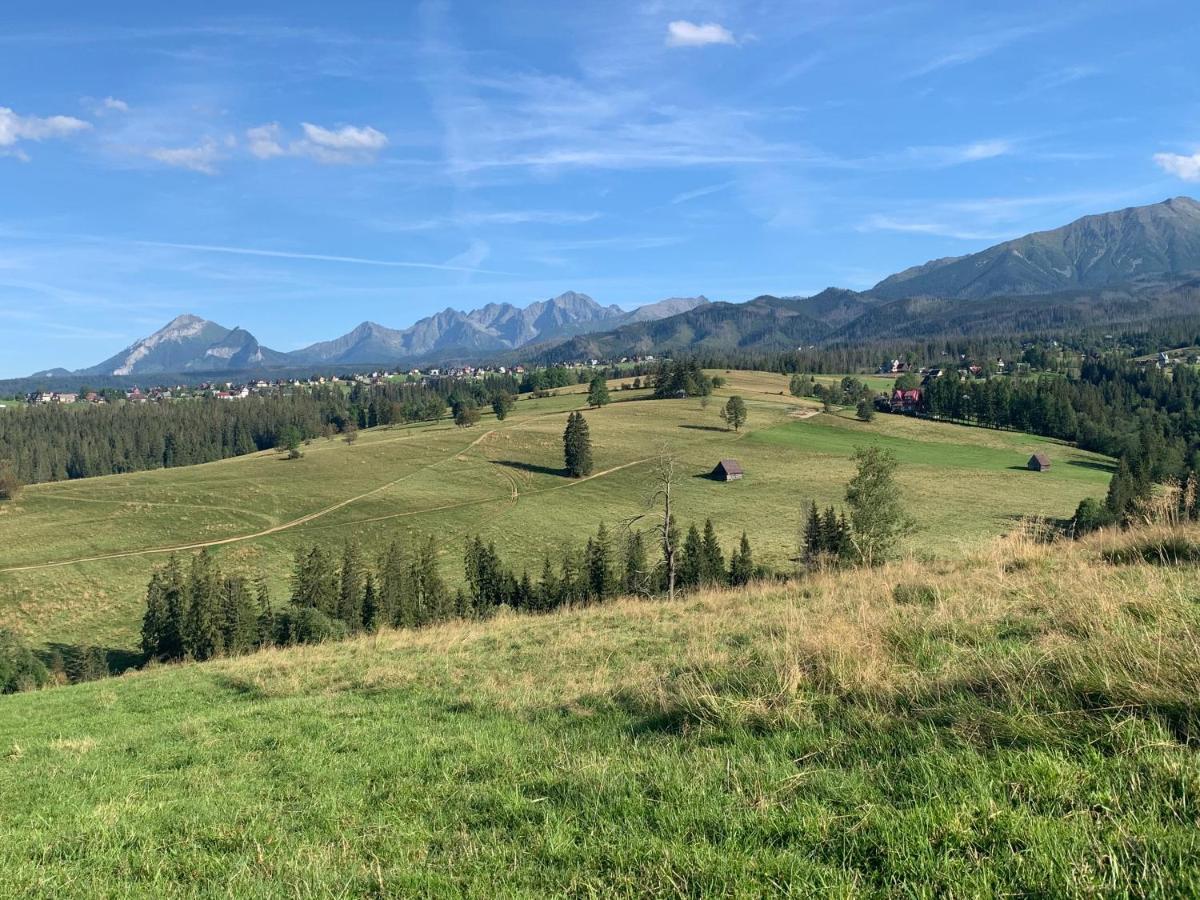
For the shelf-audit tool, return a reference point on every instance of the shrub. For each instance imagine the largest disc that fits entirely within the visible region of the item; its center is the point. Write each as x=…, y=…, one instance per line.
x=10, y=484
x=20, y=670
x=307, y=625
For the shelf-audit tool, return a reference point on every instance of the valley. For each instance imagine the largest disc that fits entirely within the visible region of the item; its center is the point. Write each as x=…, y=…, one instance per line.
x=75, y=556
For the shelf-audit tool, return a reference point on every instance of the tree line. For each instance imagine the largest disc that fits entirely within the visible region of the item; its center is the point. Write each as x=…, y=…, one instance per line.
x=1145, y=417
x=195, y=610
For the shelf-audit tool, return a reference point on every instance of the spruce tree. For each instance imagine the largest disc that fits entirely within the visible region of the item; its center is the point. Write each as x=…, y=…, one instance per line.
x=315, y=581
x=350, y=587
x=741, y=566
x=712, y=560
x=634, y=578
x=691, y=564
x=266, y=616
x=548, y=587
x=812, y=535
x=577, y=446
x=597, y=565
x=395, y=597
x=203, y=637
x=154, y=622
x=371, y=618
x=433, y=598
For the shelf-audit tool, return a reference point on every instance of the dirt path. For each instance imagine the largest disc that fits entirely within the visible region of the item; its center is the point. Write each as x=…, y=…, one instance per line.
x=310, y=517
x=236, y=539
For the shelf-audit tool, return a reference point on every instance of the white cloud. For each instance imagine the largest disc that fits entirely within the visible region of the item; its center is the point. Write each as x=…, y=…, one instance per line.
x=347, y=137
x=682, y=33
x=1185, y=167
x=348, y=144
x=202, y=158
x=114, y=105
x=14, y=128
x=263, y=141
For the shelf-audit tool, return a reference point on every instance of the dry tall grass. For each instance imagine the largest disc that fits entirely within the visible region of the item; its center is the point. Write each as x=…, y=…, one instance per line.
x=1050, y=633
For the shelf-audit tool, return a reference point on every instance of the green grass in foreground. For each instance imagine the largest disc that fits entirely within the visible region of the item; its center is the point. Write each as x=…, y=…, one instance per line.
x=1024, y=721
x=502, y=480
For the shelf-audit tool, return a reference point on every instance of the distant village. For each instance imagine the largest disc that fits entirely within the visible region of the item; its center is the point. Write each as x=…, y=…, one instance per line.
x=228, y=390
x=904, y=399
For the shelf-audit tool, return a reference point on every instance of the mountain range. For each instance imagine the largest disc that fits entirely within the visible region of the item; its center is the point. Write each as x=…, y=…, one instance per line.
x=191, y=344
x=1125, y=266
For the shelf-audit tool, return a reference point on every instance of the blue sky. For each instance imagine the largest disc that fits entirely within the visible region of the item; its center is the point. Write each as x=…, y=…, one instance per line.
x=381, y=160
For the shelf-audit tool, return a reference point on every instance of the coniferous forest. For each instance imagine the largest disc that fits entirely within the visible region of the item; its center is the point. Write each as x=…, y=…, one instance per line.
x=194, y=610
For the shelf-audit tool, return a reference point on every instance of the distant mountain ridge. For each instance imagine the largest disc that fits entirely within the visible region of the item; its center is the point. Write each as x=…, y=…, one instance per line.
x=1127, y=246
x=1131, y=265
x=189, y=343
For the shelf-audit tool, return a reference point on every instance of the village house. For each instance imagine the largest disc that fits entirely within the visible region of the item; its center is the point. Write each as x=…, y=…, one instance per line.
x=905, y=401
x=1039, y=462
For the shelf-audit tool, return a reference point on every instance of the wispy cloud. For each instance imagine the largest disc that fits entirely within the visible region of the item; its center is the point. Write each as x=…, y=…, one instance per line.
x=879, y=222
x=682, y=33
x=993, y=218
x=988, y=40
x=483, y=219
x=202, y=158
x=701, y=192
x=961, y=153
x=316, y=257
x=1185, y=167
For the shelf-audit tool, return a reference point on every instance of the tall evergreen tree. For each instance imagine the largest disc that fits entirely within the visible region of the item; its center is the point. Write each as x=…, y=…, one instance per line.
x=315, y=581
x=433, y=599
x=371, y=618
x=577, y=446
x=351, y=582
x=598, y=565
x=712, y=559
x=203, y=636
x=266, y=615
x=741, y=565
x=635, y=577
x=692, y=560
x=154, y=622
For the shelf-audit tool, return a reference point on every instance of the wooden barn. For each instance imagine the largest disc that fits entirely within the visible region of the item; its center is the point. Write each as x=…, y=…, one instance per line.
x=728, y=470
x=1039, y=462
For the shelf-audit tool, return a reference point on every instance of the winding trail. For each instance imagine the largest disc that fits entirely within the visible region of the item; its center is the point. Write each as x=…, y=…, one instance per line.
x=236, y=539
x=313, y=516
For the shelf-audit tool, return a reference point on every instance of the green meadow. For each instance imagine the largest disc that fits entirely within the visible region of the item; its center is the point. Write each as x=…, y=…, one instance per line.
x=1021, y=721
x=75, y=556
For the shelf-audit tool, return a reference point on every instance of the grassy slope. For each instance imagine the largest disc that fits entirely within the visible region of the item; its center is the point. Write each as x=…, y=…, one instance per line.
x=1025, y=721
x=501, y=480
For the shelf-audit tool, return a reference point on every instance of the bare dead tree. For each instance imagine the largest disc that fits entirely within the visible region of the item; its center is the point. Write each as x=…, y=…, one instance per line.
x=663, y=480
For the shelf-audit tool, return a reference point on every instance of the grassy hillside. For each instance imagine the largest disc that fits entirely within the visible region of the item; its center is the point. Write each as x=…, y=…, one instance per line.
x=1023, y=720
x=75, y=556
